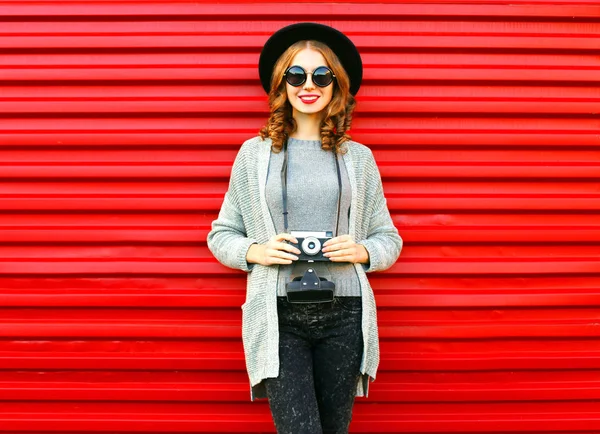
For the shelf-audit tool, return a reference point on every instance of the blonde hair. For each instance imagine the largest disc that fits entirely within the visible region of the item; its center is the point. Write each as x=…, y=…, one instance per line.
x=337, y=118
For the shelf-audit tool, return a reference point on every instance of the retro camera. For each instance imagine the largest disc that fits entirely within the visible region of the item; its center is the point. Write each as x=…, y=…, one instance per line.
x=310, y=244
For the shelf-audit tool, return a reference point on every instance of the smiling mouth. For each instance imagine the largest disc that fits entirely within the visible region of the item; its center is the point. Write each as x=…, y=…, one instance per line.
x=308, y=99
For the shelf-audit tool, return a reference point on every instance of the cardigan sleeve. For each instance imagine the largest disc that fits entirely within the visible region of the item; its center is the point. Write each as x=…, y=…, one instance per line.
x=227, y=239
x=383, y=243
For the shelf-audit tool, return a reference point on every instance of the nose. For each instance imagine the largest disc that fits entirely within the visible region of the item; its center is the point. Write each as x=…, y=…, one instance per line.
x=308, y=84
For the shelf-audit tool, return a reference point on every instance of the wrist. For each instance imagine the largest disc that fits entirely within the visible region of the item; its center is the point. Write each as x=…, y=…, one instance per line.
x=254, y=254
x=364, y=256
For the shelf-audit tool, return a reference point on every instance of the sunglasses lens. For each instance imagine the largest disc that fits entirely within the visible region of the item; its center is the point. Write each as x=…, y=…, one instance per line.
x=322, y=76
x=295, y=76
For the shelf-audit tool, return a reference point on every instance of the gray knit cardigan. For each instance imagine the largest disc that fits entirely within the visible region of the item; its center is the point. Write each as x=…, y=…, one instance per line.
x=245, y=219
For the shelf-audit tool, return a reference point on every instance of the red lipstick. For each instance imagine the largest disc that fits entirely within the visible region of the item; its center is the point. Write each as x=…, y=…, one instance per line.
x=309, y=99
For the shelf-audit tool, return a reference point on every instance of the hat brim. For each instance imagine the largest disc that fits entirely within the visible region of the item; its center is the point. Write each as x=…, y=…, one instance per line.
x=339, y=43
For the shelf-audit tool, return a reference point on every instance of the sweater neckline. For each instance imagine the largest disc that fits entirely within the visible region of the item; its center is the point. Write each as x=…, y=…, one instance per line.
x=304, y=143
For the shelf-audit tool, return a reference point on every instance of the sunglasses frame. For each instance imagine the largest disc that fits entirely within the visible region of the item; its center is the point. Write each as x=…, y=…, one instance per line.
x=306, y=75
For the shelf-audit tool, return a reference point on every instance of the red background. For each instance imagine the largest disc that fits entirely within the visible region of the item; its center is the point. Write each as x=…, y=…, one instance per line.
x=119, y=122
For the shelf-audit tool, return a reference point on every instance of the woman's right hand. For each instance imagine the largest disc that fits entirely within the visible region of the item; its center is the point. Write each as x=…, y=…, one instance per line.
x=276, y=251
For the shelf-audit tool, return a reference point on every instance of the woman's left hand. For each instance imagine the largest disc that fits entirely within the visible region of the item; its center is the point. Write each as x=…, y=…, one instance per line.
x=345, y=249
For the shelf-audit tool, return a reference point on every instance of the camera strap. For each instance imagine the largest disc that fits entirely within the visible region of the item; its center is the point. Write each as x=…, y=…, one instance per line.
x=284, y=172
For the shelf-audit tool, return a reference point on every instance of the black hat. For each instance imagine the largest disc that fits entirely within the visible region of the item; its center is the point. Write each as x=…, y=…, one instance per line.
x=339, y=43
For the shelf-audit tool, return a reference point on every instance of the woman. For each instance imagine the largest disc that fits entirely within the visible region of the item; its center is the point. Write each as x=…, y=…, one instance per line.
x=304, y=176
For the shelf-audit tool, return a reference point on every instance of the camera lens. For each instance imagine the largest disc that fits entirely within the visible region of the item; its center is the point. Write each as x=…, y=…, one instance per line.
x=311, y=246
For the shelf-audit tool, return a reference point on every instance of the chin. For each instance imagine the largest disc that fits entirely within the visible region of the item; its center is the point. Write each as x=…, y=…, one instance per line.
x=310, y=110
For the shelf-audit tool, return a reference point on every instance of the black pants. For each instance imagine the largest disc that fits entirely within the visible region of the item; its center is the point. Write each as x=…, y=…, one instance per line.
x=320, y=350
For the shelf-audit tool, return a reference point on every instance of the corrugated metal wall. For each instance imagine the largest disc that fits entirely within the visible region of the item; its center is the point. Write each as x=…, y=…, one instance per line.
x=119, y=124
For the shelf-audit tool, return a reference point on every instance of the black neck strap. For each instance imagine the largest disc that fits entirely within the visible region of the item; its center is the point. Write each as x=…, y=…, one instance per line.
x=284, y=171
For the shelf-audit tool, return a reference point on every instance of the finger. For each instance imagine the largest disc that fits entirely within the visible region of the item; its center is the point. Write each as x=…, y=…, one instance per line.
x=345, y=258
x=339, y=246
x=280, y=261
x=338, y=239
x=337, y=253
x=331, y=241
x=287, y=247
x=288, y=256
x=281, y=254
x=285, y=236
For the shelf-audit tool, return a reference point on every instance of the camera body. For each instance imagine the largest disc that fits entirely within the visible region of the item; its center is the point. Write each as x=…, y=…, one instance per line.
x=310, y=244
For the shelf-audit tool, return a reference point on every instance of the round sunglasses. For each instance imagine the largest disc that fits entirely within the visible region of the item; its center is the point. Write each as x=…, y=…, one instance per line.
x=296, y=76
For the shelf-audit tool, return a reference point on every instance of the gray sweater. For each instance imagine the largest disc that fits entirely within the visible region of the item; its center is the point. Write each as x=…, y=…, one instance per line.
x=312, y=206
x=244, y=219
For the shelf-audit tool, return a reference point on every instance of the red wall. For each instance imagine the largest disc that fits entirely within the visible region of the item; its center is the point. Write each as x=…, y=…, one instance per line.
x=119, y=122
